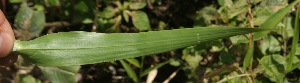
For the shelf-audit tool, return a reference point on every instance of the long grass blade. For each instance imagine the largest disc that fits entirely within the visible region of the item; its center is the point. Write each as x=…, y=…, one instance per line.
x=295, y=42
x=129, y=71
x=78, y=48
x=273, y=20
x=249, y=54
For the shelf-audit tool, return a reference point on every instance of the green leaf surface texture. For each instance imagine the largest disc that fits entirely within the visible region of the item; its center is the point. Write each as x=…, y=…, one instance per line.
x=78, y=48
x=29, y=21
x=140, y=20
x=249, y=55
x=295, y=41
x=29, y=79
x=275, y=67
x=64, y=74
x=137, y=5
x=129, y=71
x=274, y=19
x=134, y=62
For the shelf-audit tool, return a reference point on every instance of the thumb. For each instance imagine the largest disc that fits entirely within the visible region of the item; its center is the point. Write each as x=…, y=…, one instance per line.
x=6, y=44
x=7, y=38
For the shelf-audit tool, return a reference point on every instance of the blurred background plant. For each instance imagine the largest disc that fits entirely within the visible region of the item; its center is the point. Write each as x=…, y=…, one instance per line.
x=214, y=61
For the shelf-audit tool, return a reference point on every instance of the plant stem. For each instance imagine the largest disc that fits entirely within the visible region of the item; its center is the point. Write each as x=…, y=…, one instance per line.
x=250, y=17
x=142, y=67
x=232, y=77
x=216, y=72
x=291, y=55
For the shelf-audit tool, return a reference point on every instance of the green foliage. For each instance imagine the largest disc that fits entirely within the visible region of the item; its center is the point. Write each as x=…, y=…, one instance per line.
x=129, y=71
x=137, y=5
x=275, y=66
x=84, y=11
x=273, y=20
x=191, y=59
x=63, y=74
x=29, y=79
x=124, y=11
x=140, y=20
x=134, y=62
x=294, y=43
x=270, y=45
x=203, y=53
x=249, y=55
x=16, y=1
x=27, y=22
x=55, y=3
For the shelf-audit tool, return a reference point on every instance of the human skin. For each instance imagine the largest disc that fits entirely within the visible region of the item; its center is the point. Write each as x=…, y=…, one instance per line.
x=7, y=39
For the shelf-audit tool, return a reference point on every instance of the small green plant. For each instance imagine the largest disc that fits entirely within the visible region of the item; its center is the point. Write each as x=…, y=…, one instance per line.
x=124, y=10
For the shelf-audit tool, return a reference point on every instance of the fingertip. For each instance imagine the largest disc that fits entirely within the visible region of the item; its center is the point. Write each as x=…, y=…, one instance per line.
x=6, y=44
x=4, y=25
x=7, y=37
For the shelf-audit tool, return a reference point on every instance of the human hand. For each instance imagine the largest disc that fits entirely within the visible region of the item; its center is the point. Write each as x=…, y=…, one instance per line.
x=7, y=40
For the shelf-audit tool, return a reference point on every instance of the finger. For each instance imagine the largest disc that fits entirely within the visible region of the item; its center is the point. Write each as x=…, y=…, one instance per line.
x=6, y=36
x=5, y=26
x=6, y=44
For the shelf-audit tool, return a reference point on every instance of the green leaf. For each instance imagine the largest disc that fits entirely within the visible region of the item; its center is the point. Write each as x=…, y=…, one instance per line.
x=174, y=62
x=124, y=5
x=298, y=50
x=72, y=69
x=275, y=67
x=78, y=48
x=272, y=3
x=108, y=12
x=248, y=58
x=29, y=79
x=274, y=19
x=191, y=59
x=140, y=20
x=37, y=24
x=205, y=16
x=261, y=14
x=26, y=22
x=39, y=7
x=295, y=42
x=64, y=74
x=296, y=63
x=134, y=62
x=83, y=11
x=227, y=3
x=144, y=73
x=81, y=6
x=270, y=45
x=16, y=1
x=239, y=39
x=239, y=11
x=126, y=16
x=50, y=3
x=129, y=71
x=137, y=5
x=232, y=8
